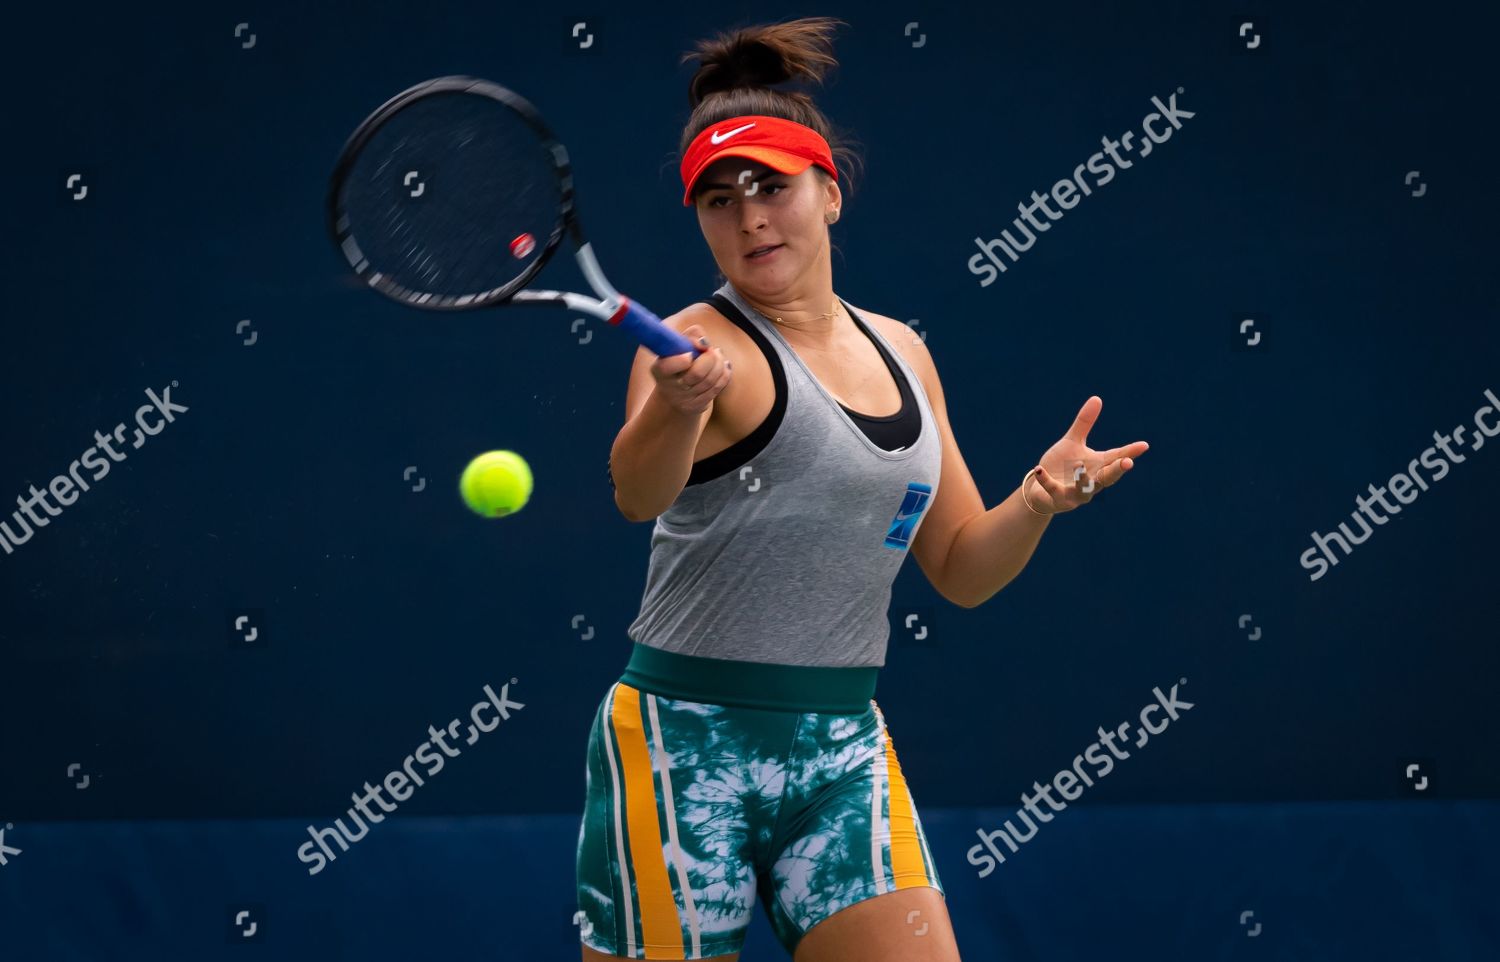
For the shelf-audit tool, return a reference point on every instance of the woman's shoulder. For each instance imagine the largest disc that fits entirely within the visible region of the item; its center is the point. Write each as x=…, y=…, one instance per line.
x=905, y=338
x=880, y=322
x=708, y=317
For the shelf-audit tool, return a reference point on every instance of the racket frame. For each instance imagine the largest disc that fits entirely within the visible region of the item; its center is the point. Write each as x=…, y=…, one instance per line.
x=610, y=305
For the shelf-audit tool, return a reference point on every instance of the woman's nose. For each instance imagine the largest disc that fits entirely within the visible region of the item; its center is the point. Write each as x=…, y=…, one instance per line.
x=751, y=213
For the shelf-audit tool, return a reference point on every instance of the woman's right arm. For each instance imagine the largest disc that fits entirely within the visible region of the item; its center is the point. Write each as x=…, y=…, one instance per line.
x=652, y=456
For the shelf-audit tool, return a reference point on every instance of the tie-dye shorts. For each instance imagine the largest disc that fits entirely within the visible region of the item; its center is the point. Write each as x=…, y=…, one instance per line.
x=693, y=810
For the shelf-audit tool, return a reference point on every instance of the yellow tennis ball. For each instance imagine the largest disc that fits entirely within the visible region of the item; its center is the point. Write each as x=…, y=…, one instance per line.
x=496, y=483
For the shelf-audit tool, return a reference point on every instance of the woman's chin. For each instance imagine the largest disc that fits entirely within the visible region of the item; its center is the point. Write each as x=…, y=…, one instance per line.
x=770, y=277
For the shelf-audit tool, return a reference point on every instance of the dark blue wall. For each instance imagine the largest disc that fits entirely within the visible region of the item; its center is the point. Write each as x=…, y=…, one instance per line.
x=382, y=610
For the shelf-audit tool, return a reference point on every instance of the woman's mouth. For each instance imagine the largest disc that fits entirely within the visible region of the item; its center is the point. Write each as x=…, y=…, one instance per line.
x=763, y=253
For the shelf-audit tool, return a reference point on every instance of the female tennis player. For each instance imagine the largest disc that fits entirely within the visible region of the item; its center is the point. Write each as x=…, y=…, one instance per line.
x=789, y=468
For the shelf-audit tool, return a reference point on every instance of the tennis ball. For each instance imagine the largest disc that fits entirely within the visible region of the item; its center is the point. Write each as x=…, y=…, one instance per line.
x=496, y=483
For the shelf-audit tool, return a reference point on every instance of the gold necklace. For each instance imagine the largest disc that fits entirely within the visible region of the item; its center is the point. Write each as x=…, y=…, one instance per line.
x=812, y=347
x=832, y=313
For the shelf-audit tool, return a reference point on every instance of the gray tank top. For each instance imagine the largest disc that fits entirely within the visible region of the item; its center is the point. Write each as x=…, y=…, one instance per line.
x=789, y=559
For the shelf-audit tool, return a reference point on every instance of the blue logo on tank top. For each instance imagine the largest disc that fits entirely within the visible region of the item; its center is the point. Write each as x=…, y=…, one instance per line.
x=918, y=497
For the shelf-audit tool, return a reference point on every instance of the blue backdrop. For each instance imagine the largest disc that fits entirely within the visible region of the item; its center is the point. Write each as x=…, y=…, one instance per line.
x=1333, y=185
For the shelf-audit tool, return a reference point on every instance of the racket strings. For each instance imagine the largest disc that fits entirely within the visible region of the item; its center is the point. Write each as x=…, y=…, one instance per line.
x=443, y=196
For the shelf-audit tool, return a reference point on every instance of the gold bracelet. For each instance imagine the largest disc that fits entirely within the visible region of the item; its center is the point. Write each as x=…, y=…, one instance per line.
x=1024, y=479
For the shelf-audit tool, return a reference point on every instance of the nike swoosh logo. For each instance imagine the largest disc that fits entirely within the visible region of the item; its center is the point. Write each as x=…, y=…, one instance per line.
x=902, y=515
x=718, y=138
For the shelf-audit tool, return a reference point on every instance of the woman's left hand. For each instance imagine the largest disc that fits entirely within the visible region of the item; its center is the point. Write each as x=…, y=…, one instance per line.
x=1071, y=472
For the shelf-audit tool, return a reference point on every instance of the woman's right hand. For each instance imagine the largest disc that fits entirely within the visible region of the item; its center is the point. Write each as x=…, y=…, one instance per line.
x=689, y=384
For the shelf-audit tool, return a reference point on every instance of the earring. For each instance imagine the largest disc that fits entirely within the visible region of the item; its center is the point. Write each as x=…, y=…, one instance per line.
x=833, y=216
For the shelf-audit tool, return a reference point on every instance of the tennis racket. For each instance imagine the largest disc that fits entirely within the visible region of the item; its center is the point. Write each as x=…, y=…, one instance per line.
x=453, y=195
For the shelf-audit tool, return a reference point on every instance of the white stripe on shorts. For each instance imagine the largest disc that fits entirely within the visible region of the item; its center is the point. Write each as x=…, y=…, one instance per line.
x=614, y=777
x=880, y=826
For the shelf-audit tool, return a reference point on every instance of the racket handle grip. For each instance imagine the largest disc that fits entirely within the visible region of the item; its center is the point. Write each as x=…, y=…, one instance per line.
x=647, y=328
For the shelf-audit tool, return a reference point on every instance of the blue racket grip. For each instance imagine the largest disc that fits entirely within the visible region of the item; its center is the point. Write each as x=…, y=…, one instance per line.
x=647, y=328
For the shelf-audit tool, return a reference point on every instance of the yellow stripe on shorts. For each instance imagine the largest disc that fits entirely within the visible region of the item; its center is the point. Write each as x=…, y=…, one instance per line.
x=907, y=864
x=661, y=929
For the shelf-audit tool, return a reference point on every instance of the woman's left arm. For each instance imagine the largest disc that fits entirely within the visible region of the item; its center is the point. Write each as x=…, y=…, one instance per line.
x=969, y=553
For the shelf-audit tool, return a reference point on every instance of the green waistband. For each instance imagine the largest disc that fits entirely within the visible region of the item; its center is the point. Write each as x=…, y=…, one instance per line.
x=750, y=684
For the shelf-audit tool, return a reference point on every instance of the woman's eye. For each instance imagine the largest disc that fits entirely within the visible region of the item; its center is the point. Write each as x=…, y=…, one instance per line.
x=714, y=201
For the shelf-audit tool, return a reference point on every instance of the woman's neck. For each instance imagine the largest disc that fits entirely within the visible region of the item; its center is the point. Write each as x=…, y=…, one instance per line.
x=816, y=318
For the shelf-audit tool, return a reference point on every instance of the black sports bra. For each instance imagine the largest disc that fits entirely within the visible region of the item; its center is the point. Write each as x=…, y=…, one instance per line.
x=891, y=432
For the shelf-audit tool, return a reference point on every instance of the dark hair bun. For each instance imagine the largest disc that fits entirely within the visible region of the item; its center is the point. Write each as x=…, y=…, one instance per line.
x=762, y=56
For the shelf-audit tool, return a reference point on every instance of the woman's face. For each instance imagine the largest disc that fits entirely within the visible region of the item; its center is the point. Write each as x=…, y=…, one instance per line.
x=744, y=204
